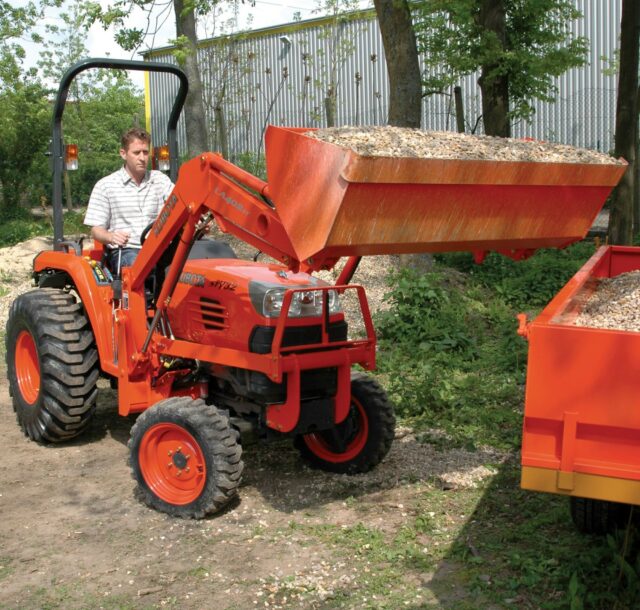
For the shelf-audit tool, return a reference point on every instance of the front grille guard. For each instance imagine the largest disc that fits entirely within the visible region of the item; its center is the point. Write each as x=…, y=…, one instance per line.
x=339, y=354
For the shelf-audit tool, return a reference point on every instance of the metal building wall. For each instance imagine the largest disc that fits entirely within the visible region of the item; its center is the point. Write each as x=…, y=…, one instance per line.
x=280, y=76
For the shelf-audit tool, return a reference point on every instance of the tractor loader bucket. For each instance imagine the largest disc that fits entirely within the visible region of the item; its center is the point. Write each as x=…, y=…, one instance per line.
x=334, y=202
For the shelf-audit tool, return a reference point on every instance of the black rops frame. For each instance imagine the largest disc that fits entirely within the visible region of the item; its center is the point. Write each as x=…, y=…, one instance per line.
x=57, y=143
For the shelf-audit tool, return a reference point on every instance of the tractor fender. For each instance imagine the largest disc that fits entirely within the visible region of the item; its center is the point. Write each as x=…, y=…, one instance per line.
x=95, y=297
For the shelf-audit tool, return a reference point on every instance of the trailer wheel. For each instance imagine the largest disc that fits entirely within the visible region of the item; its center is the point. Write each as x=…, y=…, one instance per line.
x=359, y=443
x=598, y=516
x=52, y=365
x=185, y=458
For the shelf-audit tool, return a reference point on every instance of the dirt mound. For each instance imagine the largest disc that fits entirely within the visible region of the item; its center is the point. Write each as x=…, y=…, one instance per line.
x=16, y=264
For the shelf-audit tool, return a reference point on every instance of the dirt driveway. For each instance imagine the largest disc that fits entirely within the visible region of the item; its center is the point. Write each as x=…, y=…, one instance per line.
x=73, y=535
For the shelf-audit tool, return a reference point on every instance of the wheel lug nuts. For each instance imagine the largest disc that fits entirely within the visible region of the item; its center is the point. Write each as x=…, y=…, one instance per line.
x=170, y=453
x=178, y=473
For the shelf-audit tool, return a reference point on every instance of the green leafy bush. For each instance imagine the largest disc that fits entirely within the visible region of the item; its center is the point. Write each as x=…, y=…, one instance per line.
x=449, y=352
x=19, y=225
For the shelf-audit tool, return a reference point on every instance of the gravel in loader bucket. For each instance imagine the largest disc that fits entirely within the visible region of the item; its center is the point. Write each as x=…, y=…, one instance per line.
x=387, y=190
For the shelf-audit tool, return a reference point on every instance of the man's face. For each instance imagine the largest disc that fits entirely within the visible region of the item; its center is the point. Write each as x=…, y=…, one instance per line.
x=136, y=158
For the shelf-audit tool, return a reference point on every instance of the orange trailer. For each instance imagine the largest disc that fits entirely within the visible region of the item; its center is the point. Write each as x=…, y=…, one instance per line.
x=581, y=434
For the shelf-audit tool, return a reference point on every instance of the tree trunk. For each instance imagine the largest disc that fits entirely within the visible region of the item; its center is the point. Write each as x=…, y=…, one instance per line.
x=195, y=123
x=494, y=86
x=457, y=96
x=221, y=131
x=405, y=80
x=330, y=108
x=636, y=171
x=621, y=218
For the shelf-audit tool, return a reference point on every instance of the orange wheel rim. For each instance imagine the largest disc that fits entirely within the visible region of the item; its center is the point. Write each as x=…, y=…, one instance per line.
x=172, y=463
x=355, y=430
x=27, y=367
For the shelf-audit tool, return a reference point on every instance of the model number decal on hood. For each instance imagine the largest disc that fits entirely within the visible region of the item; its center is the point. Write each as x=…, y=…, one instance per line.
x=222, y=285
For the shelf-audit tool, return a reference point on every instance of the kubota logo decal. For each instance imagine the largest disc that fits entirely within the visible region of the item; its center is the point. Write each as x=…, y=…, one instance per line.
x=193, y=279
x=164, y=214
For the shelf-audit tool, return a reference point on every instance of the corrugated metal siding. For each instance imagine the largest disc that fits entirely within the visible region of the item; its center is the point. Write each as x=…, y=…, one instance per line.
x=264, y=77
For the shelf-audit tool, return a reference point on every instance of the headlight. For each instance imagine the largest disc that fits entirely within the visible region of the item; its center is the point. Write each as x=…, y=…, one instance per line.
x=303, y=304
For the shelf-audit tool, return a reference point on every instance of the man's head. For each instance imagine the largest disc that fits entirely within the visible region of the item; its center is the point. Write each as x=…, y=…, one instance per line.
x=134, y=151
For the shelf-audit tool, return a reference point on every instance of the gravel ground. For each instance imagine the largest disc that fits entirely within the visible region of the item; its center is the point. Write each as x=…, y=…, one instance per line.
x=614, y=305
x=405, y=142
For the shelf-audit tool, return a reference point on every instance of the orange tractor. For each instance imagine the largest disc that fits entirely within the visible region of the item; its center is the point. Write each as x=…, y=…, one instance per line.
x=222, y=344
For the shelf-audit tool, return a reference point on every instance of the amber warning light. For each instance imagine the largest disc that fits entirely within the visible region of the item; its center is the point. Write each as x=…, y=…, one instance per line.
x=163, y=158
x=71, y=156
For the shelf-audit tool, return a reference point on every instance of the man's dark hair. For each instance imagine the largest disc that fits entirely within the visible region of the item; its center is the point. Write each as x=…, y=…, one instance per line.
x=134, y=134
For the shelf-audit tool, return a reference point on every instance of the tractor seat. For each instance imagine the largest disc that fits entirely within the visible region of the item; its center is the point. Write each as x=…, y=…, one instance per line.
x=210, y=248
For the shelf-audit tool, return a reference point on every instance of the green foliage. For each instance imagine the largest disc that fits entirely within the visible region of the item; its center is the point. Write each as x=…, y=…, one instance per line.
x=24, y=120
x=252, y=163
x=18, y=225
x=523, y=284
x=15, y=25
x=107, y=110
x=538, y=46
x=449, y=353
x=100, y=106
x=24, y=124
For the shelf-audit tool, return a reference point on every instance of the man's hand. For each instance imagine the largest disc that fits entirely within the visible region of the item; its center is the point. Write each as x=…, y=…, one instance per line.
x=119, y=238
x=110, y=238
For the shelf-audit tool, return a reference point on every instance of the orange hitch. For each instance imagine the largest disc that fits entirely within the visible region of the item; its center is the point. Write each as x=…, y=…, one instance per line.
x=523, y=325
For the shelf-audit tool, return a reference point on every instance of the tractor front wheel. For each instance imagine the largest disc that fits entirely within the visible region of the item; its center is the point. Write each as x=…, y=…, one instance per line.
x=185, y=458
x=362, y=440
x=52, y=365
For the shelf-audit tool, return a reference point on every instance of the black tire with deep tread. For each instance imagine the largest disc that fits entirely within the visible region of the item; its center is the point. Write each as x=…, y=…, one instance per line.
x=598, y=516
x=212, y=430
x=68, y=362
x=381, y=419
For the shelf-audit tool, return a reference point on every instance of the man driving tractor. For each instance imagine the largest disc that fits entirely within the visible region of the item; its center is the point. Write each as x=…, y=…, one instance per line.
x=123, y=203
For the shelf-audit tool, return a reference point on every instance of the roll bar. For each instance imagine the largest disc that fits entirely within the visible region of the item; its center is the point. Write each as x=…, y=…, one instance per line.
x=57, y=143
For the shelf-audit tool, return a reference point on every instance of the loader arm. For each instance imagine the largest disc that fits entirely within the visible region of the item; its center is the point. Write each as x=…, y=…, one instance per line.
x=235, y=199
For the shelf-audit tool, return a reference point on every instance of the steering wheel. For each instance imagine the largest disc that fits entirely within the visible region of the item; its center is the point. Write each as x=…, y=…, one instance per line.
x=145, y=232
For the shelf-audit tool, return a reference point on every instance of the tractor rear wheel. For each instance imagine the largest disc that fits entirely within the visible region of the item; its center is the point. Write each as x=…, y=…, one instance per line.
x=362, y=440
x=598, y=516
x=52, y=365
x=185, y=458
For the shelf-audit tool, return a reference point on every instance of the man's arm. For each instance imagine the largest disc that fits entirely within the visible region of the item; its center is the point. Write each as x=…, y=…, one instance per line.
x=98, y=217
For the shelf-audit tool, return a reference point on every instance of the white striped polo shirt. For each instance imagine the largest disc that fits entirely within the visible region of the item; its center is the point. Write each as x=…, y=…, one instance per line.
x=117, y=203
